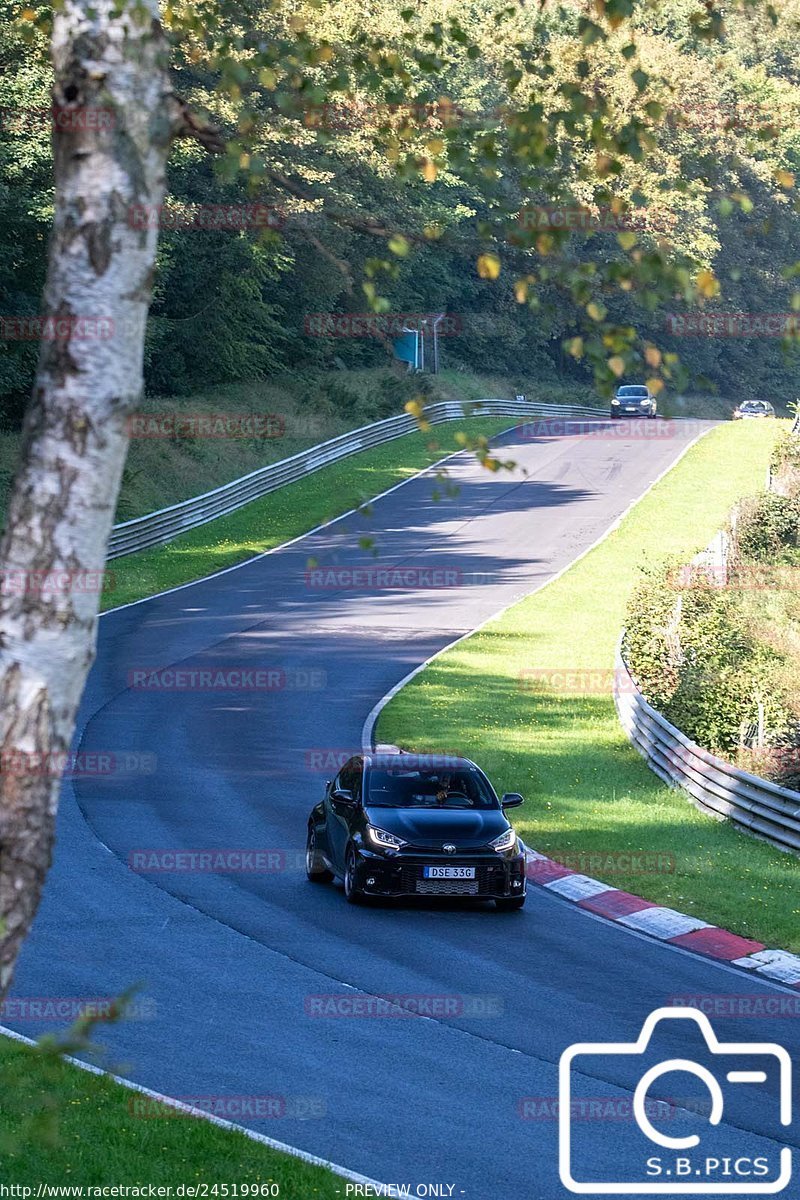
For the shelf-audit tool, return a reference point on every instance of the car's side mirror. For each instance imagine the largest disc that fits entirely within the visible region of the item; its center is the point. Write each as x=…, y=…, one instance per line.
x=344, y=795
x=512, y=800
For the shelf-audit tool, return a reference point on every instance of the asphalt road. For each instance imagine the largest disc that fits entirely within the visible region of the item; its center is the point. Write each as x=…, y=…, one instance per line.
x=230, y=962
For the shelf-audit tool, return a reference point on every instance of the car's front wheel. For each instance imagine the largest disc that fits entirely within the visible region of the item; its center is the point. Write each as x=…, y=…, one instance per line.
x=510, y=905
x=351, y=892
x=316, y=870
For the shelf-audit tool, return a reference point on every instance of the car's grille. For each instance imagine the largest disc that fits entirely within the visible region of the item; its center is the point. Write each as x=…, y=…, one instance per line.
x=447, y=887
x=489, y=878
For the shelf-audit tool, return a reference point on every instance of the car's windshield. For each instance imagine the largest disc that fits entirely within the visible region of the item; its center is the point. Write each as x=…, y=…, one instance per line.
x=632, y=391
x=754, y=406
x=423, y=788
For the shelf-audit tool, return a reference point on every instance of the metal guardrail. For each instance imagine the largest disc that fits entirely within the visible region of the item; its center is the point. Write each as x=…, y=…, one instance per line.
x=156, y=528
x=717, y=787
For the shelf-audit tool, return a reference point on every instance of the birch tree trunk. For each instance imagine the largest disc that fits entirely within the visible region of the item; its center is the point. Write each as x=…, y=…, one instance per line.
x=117, y=118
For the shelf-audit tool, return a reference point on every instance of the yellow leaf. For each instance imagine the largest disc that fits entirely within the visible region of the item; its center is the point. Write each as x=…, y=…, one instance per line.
x=28, y=14
x=429, y=171
x=626, y=240
x=267, y=78
x=521, y=291
x=544, y=243
x=596, y=311
x=488, y=266
x=324, y=53
x=616, y=365
x=707, y=284
x=435, y=146
x=575, y=347
x=414, y=407
x=785, y=179
x=244, y=161
x=399, y=245
x=655, y=385
x=652, y=357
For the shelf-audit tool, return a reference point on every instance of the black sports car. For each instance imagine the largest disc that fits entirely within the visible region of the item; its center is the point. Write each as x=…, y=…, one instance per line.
x=399, y=824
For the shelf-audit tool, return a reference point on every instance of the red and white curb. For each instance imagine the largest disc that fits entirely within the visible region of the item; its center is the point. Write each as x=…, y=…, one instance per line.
x=674, y=928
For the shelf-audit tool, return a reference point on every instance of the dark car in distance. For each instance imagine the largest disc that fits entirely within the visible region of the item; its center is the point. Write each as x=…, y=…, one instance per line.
x=633, y=400
x=399, y=825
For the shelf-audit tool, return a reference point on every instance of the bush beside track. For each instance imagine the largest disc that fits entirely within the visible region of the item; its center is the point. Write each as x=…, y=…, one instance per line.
x=588, y=791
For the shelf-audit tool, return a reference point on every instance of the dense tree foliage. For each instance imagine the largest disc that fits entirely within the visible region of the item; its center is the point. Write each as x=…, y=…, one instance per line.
x=451, y=140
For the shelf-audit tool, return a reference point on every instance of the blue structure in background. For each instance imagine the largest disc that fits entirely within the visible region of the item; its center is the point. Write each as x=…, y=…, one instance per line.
x=407, y=348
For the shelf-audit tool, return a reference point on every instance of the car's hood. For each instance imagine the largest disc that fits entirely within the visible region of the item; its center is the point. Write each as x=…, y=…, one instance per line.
x=432, y=827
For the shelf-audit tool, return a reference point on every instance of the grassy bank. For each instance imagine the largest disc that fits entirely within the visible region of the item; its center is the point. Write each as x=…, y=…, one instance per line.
x=587, y=790
x=67, y=1126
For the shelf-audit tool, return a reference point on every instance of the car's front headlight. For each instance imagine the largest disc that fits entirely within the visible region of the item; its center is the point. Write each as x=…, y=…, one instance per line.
x=506, y=841
x=615, y=401
x=384, y=839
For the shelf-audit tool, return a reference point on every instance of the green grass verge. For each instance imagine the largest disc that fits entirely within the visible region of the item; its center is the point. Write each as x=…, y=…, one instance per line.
x=587, y=790
x=287, y=512
x=67, y=1126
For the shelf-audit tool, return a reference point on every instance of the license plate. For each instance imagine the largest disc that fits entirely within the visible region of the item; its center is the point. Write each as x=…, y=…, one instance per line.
x=448, y=872
x=631, y=408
